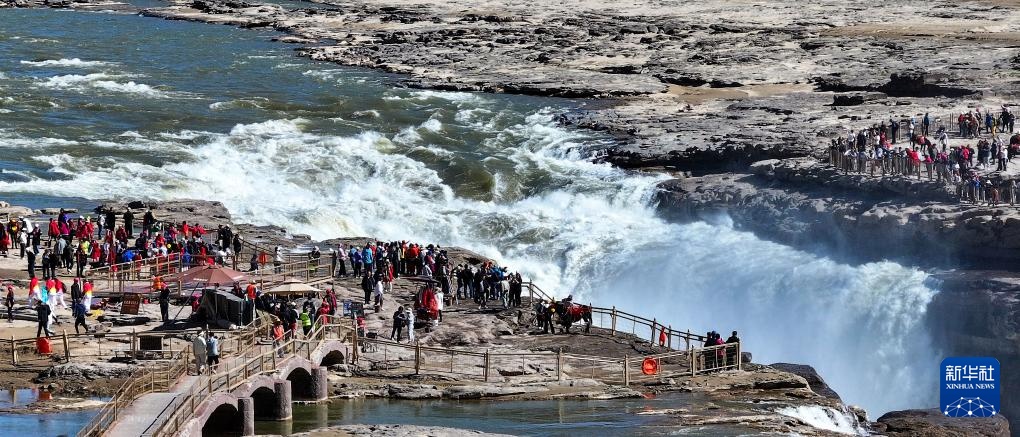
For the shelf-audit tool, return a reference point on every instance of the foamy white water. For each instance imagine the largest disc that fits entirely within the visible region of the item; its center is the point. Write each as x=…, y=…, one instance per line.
x=64, y=62
x=825, y=418
x=597, y=237
x=103, y=81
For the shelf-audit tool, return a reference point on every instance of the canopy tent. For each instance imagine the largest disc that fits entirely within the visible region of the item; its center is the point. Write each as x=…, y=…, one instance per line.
x=293, y=286
x=209, y=275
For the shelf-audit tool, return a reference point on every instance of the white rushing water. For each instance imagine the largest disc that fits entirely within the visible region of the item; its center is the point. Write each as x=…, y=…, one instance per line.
x=596, y=235
x=825, y=418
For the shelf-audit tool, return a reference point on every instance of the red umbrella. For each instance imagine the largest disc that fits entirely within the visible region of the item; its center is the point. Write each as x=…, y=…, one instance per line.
x=209, y=275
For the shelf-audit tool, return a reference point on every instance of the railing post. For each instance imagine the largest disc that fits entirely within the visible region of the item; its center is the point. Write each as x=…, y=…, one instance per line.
x=687, y=339
x=134, y=338
x=354, y=340
x=653, y=331
x=669, y=342
x=613, y=316
x=626, y=370
x=740, y=358
x=559, y=364
x=485, y=373
x=14, y=352
x=67, y=351
x=417, y=357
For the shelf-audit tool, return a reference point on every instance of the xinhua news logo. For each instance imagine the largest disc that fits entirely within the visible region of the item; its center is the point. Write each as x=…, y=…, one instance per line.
x=969, y=387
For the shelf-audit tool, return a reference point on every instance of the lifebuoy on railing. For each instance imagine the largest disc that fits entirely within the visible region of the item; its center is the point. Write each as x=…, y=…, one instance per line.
x=650, y=366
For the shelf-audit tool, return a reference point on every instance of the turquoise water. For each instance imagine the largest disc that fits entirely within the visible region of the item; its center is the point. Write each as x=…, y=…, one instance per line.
x=567, y=418
x=48, y=424
x=45, y=424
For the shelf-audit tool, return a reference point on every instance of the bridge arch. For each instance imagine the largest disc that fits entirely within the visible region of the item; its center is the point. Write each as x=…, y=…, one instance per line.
x=331, y=352
x=301, y=385
x=223, y=417
x=333, y=358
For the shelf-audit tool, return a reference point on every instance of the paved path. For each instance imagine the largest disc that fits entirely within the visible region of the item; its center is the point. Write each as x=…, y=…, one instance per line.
x=141, y=415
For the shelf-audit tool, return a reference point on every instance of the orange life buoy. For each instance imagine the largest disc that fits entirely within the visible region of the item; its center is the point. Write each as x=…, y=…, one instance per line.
x=650, y=366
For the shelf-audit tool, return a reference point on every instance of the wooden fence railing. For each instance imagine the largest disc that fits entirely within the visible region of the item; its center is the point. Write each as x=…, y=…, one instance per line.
x=618, y=321
x=149, y=381
x=487, y=365
x=254, y=363
x=463, y=363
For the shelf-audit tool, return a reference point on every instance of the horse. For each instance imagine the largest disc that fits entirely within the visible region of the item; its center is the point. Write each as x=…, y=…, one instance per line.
x=570, y=313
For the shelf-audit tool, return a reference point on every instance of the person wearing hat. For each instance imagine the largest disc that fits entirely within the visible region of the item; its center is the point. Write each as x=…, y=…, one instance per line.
x=278, y=337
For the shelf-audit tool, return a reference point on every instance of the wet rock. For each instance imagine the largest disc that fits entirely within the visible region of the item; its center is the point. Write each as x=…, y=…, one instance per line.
x=400, y=391
x=124, y=320
x=854, y=99
x=920, y=84
x=207, y=213
x=814, y=380
x=88, y=371
x=483, y=391
x=16, y=211
x=934, y=424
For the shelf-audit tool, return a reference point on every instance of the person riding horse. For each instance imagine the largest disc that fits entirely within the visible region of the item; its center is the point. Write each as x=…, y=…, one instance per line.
x=569, y=313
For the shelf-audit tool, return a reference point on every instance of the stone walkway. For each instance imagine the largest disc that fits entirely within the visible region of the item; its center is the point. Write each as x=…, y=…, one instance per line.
x=140, y=416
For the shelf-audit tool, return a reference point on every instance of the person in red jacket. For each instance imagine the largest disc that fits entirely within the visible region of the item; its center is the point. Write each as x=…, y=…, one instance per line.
x=54, y=230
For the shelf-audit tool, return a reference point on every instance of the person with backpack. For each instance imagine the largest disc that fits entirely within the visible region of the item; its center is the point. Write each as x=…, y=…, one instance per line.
x=306, y=321
x=213, y=360
x=410, y=324
x=78, y=309
x=399, y=320
x=43, y=317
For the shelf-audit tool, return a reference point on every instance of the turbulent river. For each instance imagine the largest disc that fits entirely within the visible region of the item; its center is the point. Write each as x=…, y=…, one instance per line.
x=103, y=105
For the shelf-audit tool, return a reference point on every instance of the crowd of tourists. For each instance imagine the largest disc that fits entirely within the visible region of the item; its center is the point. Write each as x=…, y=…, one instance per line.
x=910, y=148
x=73, y=246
